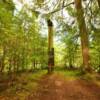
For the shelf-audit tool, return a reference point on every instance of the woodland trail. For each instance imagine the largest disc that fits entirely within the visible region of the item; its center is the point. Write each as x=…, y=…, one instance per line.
x=54, y=87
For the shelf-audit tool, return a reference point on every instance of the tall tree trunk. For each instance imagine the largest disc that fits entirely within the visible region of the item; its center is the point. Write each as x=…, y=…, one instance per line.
x=50, y=47
x=83, y=34
x=98, y=3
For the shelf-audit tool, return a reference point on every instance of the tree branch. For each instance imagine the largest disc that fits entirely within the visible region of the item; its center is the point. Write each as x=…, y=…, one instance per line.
x=60, y=8
x=52, y=12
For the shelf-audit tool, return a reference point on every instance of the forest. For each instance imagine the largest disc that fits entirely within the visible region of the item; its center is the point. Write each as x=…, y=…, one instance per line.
x=49, y=49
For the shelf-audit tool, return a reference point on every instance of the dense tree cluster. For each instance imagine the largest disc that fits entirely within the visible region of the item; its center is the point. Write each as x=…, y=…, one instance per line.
x=22, y=46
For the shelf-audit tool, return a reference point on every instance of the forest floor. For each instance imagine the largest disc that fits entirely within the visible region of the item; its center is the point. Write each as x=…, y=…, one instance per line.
x=61, y=85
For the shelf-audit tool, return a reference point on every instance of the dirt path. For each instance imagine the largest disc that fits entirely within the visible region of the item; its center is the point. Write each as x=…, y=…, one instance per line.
x=53, y=87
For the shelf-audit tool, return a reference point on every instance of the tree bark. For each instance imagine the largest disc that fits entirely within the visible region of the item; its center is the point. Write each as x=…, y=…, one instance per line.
x=50, y=47
x=98, y=3
x=83, y=34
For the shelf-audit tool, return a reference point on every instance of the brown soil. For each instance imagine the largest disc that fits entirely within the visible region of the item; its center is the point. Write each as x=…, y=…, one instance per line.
x=54, y=87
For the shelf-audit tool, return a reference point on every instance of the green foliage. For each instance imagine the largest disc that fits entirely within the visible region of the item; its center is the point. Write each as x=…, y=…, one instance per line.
x=23, y=47
x=21, y=44
x=71, y=11
x=95, y=52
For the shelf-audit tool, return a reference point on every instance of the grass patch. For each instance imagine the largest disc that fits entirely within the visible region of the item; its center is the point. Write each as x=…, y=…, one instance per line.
x=74, y=74
x=24, y=84
x=71, y=73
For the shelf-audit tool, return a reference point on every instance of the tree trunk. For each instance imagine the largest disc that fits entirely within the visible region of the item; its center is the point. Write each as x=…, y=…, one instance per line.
x=34, y=64
x=3, y=60
x=50, y=47
x=98, y=3
x=83, y=34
